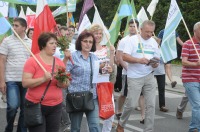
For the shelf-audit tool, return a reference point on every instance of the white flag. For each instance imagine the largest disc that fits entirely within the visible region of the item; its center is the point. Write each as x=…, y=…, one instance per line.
x=97, y=20
x=4, y=8
x=29, y=11
x=152, y=7
x=22, y=14
x=168, y=46
x=85, y=24
x=142, y=16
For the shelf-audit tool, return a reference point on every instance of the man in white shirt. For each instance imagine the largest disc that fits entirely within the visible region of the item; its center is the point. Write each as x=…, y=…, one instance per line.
x=137, y=52
x=119, y=54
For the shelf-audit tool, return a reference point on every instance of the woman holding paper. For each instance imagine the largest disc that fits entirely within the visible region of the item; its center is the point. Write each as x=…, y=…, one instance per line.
x=81, y=72
x=104, y=54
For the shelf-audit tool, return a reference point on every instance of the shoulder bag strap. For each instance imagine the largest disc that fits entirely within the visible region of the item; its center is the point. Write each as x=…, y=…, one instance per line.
x=49, y=82
x=91, y=74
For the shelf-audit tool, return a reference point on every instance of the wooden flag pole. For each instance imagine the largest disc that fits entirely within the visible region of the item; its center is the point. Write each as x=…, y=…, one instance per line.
x=28, y=50
x=137, y=32
x=190, y=37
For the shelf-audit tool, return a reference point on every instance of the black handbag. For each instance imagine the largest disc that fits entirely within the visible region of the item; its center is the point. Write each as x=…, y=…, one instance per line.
x=32, y=111
x=80, y=101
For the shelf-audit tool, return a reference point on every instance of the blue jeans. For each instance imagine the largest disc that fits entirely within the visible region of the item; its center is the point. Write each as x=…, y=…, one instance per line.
x=193, y=93
x=92, y=119
x=15, y=98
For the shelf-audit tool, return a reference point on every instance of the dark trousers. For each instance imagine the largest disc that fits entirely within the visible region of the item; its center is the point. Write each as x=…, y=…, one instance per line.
x=161, y=89
x=118, y=83
x=51, y=119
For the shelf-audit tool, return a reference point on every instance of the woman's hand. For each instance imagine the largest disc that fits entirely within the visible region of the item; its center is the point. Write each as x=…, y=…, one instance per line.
x=67, y=54
x=112, y=48
x=109, y=68
x=47, y=76
x=102, y=65
x=63, y=84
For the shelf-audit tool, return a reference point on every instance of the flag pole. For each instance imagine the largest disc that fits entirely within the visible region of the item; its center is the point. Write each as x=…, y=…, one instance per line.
x=28, y=50
x=151, y=18
x=137, y=32
x=67, y=13
x=190, y=37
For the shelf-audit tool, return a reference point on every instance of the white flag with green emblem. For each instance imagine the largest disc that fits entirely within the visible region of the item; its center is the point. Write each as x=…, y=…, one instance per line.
x=168, y=46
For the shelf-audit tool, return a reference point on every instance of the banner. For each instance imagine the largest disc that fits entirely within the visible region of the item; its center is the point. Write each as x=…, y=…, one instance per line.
x=97, y=20
x=152, y=7
x=4, y=8
x=30, y=17
x=168, y=46
x=142, y=16
x=62, y=9
x=124, y=10
x=71, y=3
x=126, y=32
x=5, y=30
x=85, y=24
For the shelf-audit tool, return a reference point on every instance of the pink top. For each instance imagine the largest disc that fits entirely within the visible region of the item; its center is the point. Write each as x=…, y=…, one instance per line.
x=101, y=54
x=54, y=94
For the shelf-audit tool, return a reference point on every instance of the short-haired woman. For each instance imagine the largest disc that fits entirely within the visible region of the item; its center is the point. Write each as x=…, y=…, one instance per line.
x=80, y=73
x=36, y=80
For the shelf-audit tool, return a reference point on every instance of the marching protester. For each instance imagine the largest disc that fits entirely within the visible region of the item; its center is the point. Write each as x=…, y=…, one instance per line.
x=11, y=68
x=30, y=33
x=81, y=73
x=37, y=81
x=191, y=75
x=124, y=90
x=103, y=52
x=71, y=30
x=159, y=73
x=139, y=74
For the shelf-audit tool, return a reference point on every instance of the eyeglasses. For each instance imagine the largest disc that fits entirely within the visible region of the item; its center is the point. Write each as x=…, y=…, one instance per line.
x=86, y=41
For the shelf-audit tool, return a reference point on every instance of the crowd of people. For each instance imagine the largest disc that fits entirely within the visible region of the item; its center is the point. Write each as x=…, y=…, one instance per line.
x=23, y=80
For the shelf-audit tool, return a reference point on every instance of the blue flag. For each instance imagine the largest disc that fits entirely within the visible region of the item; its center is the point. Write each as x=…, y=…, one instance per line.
x=5, y=30
x=12, y=10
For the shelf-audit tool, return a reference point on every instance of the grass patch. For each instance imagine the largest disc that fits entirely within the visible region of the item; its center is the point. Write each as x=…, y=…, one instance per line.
x=177, y=62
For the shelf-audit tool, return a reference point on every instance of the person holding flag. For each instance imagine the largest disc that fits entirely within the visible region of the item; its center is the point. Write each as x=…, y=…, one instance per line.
x=11, y=67
x=103, y=52
x=124, y=91
x=142, y=54
x=191, y=75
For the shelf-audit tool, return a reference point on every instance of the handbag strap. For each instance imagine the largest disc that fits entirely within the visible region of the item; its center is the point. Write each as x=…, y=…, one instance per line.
x=45, y=91
x=91, y=74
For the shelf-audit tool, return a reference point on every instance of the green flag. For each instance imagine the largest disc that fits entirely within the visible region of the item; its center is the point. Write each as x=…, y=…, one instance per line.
x=123, y=10
x=126, y=32
x=5, y=30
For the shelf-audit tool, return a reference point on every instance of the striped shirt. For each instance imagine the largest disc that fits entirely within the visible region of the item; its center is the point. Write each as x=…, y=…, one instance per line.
x=80, y=73
x=102, y=54
x=191, y=74
x=16, y=55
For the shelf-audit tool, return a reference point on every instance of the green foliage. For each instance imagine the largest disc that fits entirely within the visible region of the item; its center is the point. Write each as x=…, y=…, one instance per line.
x=177, y=62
